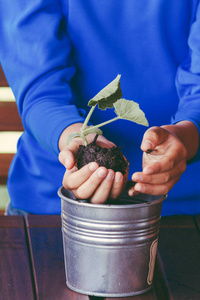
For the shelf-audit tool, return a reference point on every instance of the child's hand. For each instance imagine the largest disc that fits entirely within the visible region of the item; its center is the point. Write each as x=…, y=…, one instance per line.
x=91, y=181
x=164, y=161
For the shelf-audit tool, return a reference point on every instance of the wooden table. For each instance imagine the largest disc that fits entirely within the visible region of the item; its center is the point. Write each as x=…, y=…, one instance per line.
x=32, y=264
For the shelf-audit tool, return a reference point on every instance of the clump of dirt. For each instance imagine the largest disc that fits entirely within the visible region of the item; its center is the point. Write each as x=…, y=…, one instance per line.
x=111, y=158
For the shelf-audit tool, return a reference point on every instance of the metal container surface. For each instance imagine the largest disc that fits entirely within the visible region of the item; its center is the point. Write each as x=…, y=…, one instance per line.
x=110, y=250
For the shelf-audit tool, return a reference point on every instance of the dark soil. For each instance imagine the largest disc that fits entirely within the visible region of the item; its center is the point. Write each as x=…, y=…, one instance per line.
x=111, y=158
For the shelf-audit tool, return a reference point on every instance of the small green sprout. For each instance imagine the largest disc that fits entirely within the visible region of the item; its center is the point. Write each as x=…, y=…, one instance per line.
x=109, y=97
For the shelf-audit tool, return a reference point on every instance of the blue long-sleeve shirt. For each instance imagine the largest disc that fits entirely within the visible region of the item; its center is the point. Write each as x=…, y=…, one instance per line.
x=57, y=55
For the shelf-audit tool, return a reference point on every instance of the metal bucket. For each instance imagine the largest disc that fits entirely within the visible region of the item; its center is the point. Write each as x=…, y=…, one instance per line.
x=110, y=249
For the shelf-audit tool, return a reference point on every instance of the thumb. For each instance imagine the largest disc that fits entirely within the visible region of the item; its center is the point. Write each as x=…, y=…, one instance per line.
x=68, y=153
x=153, y=137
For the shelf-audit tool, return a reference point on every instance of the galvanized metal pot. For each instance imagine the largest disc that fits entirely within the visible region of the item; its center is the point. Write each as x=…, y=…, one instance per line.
x=110, y=249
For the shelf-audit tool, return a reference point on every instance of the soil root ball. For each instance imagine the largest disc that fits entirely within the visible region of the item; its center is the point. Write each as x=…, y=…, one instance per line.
x=111, y=158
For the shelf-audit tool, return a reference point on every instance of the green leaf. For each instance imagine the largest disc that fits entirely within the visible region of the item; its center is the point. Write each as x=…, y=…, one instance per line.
x=71, y=136
x=108, y=95
x=129, y=110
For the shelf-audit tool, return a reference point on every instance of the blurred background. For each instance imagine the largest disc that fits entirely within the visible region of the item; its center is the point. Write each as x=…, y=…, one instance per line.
x=8, y=140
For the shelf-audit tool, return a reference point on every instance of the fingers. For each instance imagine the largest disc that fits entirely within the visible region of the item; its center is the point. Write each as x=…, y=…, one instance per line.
x=118, y=185
x=103, y=191
x=153, y=137
x=68, y=154
x=168, y=151
x=160, y=178
x=96, y=183
x=158, y=163
x=73, y=178
x=111, y=187
x=88, y=188
x=160, y=189
x=159, y=183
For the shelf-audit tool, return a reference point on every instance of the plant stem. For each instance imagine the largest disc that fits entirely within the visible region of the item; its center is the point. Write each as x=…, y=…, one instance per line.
x=83, y=128
x=86, y=131
x=88, y=118
x=84, y=139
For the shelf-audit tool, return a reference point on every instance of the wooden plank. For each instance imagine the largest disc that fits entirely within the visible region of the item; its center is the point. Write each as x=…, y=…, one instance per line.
x=15, y=273
x=151, y=295
x=177, y=221
x=3, y=81
x=5, y=161
x=9, y=117
x=197, y=220
x=159, y=280
x=179, y=248
x=45, y=238
x=11, y=222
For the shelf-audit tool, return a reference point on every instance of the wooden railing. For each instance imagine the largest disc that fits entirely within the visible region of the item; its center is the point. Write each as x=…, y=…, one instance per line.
x=9, y=121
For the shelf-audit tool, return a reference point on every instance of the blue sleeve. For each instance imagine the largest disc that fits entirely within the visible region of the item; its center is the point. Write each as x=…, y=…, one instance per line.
x=35, y=56
x=188, y=81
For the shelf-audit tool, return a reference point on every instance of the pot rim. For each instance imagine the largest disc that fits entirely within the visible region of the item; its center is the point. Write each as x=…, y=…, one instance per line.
x=154, y=200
